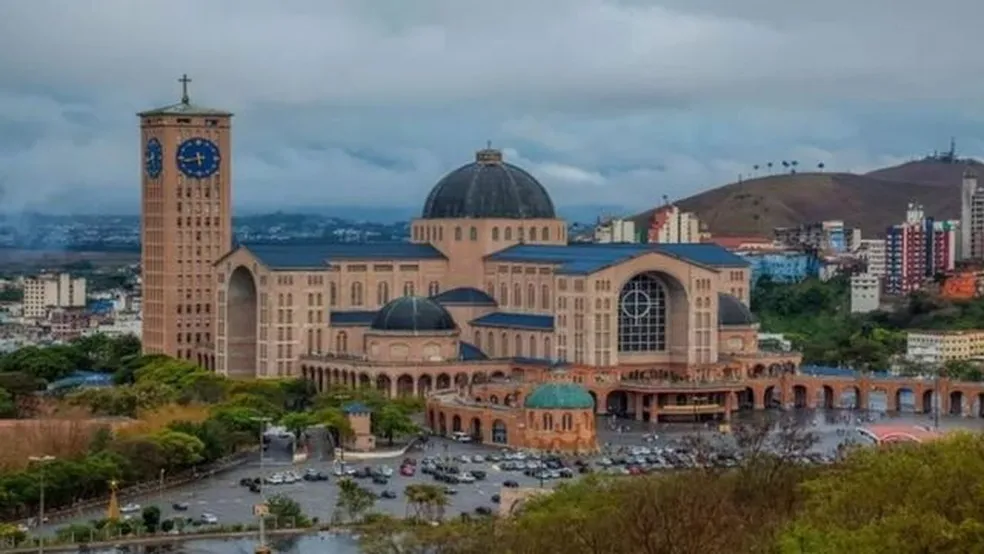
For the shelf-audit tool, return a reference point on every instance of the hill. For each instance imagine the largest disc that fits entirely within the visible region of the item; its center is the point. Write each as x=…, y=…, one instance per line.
x=872, y=201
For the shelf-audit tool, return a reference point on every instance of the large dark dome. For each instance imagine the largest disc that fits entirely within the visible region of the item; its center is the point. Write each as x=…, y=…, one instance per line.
x=415, y=314
x=489, y=188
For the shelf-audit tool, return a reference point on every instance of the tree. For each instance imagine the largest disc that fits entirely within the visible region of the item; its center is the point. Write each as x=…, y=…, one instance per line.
x=8, y=408
x=298, y=422
x=285, y=511
x=151, y=517
x=179, y=449
x=904, y=499
x=425, y=501
x=391, y=422
x=353, y=501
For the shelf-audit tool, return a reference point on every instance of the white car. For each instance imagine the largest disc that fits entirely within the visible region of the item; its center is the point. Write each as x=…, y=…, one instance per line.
x=130, y=508
x=209, y=519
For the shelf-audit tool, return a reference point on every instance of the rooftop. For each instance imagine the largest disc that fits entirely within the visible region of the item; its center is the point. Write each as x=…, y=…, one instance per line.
x=509, y=320
x=319, y=255
x=584, y=259
x=185, y=107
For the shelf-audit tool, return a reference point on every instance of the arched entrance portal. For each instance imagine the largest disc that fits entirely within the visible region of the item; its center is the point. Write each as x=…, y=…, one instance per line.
x=617, y=403
x=800, y=397
x=241, y=324
x=476, y=429
x=746, y=399
x=500, y=435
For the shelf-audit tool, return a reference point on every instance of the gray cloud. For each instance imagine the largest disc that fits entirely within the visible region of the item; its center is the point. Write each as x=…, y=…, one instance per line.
x=370, y=102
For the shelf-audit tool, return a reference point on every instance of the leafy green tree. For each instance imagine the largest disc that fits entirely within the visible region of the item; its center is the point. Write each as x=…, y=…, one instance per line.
x=8, y=407
x=298, y=422
x=285, y=511
x=151, y=517
x=905, y=499
x=391, y=422
x=353, y=501
x=179, y=449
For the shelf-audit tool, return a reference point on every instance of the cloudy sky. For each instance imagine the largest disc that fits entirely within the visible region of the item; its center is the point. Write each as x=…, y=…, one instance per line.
x=369, y=102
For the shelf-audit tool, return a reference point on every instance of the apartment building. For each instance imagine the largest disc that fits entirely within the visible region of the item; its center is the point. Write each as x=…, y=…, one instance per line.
x=936, y=347
x=52, y=291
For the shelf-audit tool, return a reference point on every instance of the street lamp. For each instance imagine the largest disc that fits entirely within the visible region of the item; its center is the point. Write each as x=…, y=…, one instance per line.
x=261, y=510
x=160, y=487
x=41, y=461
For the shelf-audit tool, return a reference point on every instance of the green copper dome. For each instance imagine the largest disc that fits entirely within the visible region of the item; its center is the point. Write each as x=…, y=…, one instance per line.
x=559, y=396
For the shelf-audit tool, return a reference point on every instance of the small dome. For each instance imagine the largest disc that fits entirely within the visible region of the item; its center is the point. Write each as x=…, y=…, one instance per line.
x=559, y=396
x=414, y=314
x=488, y=188
x=732, y=311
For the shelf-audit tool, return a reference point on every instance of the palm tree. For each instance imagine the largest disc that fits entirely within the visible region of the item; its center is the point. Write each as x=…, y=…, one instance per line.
x=756, y=168
x=785, y=164
x=820, y=166
x=425, y=501
x=794, y=163
x=769, y=165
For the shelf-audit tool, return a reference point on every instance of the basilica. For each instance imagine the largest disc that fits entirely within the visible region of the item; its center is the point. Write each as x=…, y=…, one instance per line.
x=512, y=334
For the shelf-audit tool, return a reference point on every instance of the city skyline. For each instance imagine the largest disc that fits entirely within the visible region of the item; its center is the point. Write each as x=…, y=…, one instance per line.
x=337, y=105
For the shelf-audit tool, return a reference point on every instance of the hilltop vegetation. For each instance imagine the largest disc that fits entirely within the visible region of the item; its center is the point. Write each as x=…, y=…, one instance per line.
x=815, y=316
x=908, y=499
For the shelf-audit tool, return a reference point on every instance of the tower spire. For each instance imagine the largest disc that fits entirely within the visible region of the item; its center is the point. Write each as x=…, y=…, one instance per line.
x=184, y=80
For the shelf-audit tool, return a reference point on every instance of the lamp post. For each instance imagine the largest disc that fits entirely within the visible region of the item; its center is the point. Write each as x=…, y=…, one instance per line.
x=41, y=461
x=261, y=509
x=160, y=487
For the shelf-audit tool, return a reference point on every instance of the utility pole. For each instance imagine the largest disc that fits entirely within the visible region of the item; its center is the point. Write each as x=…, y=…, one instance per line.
x=41, y=461
x=261, y=510
x=936, y=400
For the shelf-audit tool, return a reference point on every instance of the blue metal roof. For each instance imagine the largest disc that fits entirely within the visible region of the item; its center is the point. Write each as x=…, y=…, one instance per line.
x=583, y=259
x=471, y=353
x=465, y=296
x=356, y=408
x=353, y=318
x=313, y=256
x=515, y=321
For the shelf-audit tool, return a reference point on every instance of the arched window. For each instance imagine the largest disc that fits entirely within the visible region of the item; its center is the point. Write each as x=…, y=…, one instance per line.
x=356, y=294
x=341, y=342
x=517, y=295
x=518, y=345
x=473, y=233
x=382, y=293
x=503, y=294
x=491, y=351
x=495, y=233
x=318, y=340
x=531, y=295
x=504, y=338
x=533, y=352
x=457, y=233
x=547, y=349
x=332, y=294
x=545, y=234
x=478, y=340
x=545, y=297
x=310, y=341
x=408, y=288
x=520, y=234
x=547, y=422
x=642, y=315
x=290, y=299
x=532, y=233
x=508, y=233
x=567, y=422
x=433, y=288
x=490, y=289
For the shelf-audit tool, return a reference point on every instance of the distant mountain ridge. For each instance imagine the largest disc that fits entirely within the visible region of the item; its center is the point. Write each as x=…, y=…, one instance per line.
x=871, y=202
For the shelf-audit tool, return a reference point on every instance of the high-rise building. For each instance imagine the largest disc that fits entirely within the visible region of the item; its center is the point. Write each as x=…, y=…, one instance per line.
x=916, y=250
x=971, y=217
x=872, y=252
x=186, y=221
x=670, y=225
x=615, y=230
x=827, y=236
x=52, y=291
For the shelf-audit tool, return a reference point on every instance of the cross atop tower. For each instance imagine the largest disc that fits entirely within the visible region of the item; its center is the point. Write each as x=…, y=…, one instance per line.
x=184, y=80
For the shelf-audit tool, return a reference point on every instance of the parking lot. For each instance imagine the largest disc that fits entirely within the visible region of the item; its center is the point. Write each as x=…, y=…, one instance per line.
x=224, y=497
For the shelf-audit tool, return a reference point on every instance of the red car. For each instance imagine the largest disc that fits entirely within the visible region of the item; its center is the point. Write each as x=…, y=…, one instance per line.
x=407, y=470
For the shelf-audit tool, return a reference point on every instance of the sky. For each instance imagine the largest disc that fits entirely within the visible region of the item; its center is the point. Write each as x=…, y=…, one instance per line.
x=369, y=103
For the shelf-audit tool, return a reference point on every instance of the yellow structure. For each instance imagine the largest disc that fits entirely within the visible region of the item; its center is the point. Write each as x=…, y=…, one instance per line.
x=486, y=310
x=113, y=511
x=936, y=347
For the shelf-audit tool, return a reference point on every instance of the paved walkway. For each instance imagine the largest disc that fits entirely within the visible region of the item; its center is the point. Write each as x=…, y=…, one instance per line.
x=157, y=540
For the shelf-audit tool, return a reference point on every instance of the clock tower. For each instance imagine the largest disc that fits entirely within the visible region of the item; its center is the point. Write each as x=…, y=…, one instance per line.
x=185, y=224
